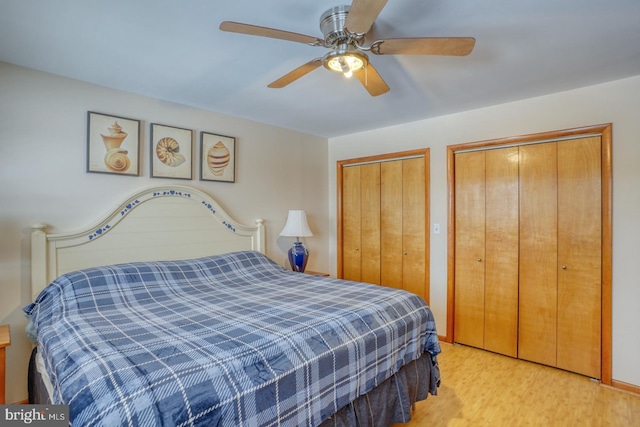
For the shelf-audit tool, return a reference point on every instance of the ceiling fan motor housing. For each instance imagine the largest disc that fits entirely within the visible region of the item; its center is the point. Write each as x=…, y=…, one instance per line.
x=332, y=25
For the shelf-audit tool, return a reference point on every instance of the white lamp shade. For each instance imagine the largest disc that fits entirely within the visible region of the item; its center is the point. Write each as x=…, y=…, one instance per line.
x=296, y=225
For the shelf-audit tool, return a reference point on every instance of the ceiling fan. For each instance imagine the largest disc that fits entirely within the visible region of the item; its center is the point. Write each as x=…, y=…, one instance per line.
x=344, y=29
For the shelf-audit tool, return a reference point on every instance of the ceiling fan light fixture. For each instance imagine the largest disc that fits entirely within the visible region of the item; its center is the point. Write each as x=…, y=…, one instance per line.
x=345, y=61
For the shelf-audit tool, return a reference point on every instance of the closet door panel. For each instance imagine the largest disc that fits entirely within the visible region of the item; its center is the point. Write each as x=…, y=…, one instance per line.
x=413, y=226
x=351, y=223
x=391, y=224
x=580, y=254
x=370, y=223
x=538, y=253
x=501, y=252
x=469, y=248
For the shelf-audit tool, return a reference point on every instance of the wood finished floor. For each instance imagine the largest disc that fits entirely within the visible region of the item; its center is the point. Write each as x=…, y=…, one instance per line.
x=480, y=388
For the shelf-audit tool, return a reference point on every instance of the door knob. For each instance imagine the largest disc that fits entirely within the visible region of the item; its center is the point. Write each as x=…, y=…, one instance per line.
x=564, y=267
x=479, y=259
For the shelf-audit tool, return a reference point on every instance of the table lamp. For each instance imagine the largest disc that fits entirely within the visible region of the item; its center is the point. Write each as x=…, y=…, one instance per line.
x=297, y=227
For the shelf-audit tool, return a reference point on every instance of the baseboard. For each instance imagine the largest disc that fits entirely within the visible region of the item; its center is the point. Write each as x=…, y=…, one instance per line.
x=631, y=388
x=23, y=402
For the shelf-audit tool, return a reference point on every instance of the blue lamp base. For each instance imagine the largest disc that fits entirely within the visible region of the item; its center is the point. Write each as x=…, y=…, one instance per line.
x=298, y=257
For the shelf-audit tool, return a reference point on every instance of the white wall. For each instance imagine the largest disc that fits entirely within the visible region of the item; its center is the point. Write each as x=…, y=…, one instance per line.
x=616, y=102
x=43, y=141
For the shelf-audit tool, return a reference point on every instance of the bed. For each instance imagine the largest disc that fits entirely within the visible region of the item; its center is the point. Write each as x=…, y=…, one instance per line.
x=168, y=312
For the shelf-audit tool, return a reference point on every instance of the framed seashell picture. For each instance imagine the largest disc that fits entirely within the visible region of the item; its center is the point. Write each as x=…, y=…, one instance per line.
x=171, y=152
x=113, y=144
x=217, y=157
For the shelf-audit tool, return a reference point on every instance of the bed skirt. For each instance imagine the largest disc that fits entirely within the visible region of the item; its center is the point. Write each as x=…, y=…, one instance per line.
x=38, y=394
x=393, y=400
x=390, y=402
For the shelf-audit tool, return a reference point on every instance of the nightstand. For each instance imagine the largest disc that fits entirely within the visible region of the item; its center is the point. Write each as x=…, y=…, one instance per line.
x=316, y=273
x=5, y=341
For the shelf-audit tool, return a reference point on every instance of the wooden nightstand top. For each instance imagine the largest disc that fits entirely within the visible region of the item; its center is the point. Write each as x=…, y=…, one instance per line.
x=316, y=273
x=5, y=337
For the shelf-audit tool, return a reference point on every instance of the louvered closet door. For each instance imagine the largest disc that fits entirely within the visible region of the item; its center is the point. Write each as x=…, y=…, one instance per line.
x=469, y=248
x=580, y=256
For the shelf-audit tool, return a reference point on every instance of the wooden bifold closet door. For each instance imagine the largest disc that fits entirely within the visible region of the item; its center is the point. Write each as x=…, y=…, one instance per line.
x=361, y=223
x=528, y=259
x=486, y=269
x=383, y=222
x=561, y=256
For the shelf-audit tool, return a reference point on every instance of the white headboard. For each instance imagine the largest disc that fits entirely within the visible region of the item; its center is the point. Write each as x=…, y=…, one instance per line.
x=161, y=223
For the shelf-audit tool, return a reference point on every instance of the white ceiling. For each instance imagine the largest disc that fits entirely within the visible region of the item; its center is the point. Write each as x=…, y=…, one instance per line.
x=173, y=50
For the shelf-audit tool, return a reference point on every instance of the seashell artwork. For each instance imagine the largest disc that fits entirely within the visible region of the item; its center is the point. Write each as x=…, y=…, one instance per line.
x=218, y=158
x=113, y=144
x=168, y=151
x=115, y=138
x=117, y=160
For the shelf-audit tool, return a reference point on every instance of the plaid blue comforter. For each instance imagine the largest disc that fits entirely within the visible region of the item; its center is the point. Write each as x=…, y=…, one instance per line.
x=228, y=340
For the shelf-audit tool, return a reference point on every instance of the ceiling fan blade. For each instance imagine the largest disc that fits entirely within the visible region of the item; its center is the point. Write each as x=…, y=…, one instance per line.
x=361, y=15
x=455, y=46
x=254, y=30
x=372, y=81
x=296, y=74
